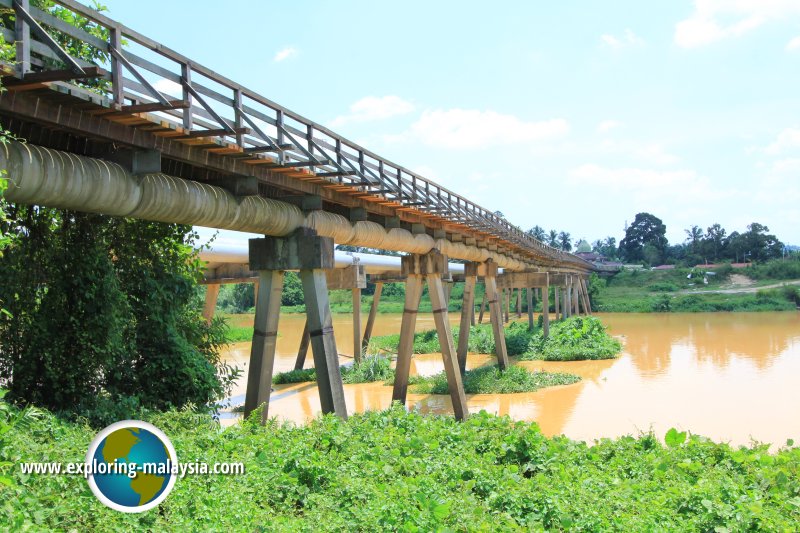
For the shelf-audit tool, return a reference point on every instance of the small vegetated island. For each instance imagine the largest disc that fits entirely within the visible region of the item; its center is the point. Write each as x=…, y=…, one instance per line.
x=577, y=338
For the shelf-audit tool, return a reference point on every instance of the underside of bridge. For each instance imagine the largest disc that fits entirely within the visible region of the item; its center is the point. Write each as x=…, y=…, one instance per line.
x=100, y=138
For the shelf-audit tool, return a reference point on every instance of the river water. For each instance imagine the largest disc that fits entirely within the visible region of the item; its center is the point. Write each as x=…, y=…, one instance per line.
x=730, y=376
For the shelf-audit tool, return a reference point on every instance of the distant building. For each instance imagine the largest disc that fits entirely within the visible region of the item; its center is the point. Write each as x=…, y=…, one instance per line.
x=718, y=265
x=600, y=262
x=663, y=267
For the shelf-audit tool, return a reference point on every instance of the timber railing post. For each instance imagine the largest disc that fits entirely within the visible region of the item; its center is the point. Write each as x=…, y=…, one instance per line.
x=23, y=37
x=186, y=74
x=117, y=78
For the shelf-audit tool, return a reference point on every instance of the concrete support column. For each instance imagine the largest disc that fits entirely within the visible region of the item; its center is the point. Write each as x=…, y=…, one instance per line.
x=483, y=306
x=373, y=312
x=495, y=314
x=312, y=255
x=529, y=295
x=467, y=313
x=587, y=304
x=519, y=303
x=303, y=350
x=546, y=309
x=557, y=298
x=575, y=291
x=212, y=293
x=430, y=267
x=265, y=336
x=567, y=303
x=357, y=325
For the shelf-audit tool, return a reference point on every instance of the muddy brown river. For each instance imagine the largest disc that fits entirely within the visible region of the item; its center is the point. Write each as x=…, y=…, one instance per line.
x=730, y=376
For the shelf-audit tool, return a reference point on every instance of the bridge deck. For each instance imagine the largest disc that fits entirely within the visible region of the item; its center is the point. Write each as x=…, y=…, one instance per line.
x=213, y=129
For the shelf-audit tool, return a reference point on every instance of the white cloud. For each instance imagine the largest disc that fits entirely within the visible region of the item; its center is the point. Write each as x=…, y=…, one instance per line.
x=374, y=108
x=471, y=128
x=794, y=44
x=652, y=153
x=714, y=20
x=285, y=53
x=168, y=87
x=628, y=38
x=608, y=125
x=788, y=139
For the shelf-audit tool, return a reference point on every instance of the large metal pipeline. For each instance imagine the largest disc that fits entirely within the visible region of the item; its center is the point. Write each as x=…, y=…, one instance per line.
x=52, y=178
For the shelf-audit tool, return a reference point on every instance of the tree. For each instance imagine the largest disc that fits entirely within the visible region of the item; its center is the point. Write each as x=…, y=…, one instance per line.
x=759, y=245
x=565, y=241
x=552, y=238
x=714, y=241
x=537, y=232
x=646, y=229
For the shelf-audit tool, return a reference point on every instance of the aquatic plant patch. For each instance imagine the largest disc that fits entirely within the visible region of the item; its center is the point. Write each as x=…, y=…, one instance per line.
x=573, y=339
x=490, y=380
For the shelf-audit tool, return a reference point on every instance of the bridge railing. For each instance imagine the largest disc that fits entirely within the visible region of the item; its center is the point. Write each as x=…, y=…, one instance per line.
x=133, y=73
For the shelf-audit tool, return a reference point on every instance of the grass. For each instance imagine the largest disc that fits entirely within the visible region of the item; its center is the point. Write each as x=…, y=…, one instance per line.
x=239, y=334
x=490, y=380
x=371, y=368
x=393, y=470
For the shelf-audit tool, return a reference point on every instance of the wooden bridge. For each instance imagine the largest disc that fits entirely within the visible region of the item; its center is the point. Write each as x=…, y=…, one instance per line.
x=102, y=137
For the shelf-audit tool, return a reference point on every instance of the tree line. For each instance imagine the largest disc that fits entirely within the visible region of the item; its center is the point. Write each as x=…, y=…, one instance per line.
x=646, y=242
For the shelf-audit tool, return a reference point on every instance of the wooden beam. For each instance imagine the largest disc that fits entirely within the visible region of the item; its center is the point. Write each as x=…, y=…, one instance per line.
x=373, y=312
x=467, y=312
x=440, y=317
x=406, y=346
x=265, y=336
x=221, y=132
x=154, y=106
x=323, y=343
x=46, y=76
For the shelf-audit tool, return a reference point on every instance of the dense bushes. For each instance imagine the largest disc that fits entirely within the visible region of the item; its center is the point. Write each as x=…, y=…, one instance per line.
x=490, y=380
x=394, y=470
x=576, y=338
x=104, y=309
x=776, y=269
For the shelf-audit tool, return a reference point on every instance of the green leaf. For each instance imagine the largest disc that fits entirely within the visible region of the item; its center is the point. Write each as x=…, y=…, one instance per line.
x=674, y=438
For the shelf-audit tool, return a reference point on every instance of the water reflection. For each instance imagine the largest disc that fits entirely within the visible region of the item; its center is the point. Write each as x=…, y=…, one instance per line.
x=731, y=377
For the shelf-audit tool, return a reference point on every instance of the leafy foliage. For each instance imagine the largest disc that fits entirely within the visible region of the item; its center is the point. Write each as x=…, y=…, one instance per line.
x=101, y=305
x=490, y=380
x=393, y=470
x=576, y=338
x=369, y=369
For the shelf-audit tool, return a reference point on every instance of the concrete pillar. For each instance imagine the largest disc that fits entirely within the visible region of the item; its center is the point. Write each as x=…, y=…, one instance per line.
x=519, y=303
x=312, y=255
x=357, y=325
x=406, y=347
x=575, y=291
x=483, y=306
x=373, y=311
x=265, y=335
x=467, y=311
x=557, y=298
x=303, y=350
x=439, y=304
x=495, y=314
x=212, y=293
x=546, y=309
x=529, y=295
x=448, y=288
x=567, y=303
x=587, y=304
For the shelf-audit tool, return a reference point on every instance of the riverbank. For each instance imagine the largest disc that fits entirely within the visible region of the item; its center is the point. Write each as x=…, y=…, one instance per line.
x=397, y=470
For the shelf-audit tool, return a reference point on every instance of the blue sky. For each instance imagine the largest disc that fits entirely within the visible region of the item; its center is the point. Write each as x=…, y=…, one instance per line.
x=570, y=115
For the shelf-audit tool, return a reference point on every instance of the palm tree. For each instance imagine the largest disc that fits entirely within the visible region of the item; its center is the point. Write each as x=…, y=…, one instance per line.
x=552, y=238
x=537, y=232
x=565, y=240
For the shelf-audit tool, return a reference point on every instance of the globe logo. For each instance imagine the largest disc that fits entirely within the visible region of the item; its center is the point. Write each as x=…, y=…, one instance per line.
x=132, y=466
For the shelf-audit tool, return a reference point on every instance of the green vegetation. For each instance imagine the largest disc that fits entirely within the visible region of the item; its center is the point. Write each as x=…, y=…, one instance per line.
x=576, y=338
x=490, y=380
x=239, y=333
x=481, y=340
x=573, y=339
x=667, y=290
x=371, y=368
x=397, y=470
